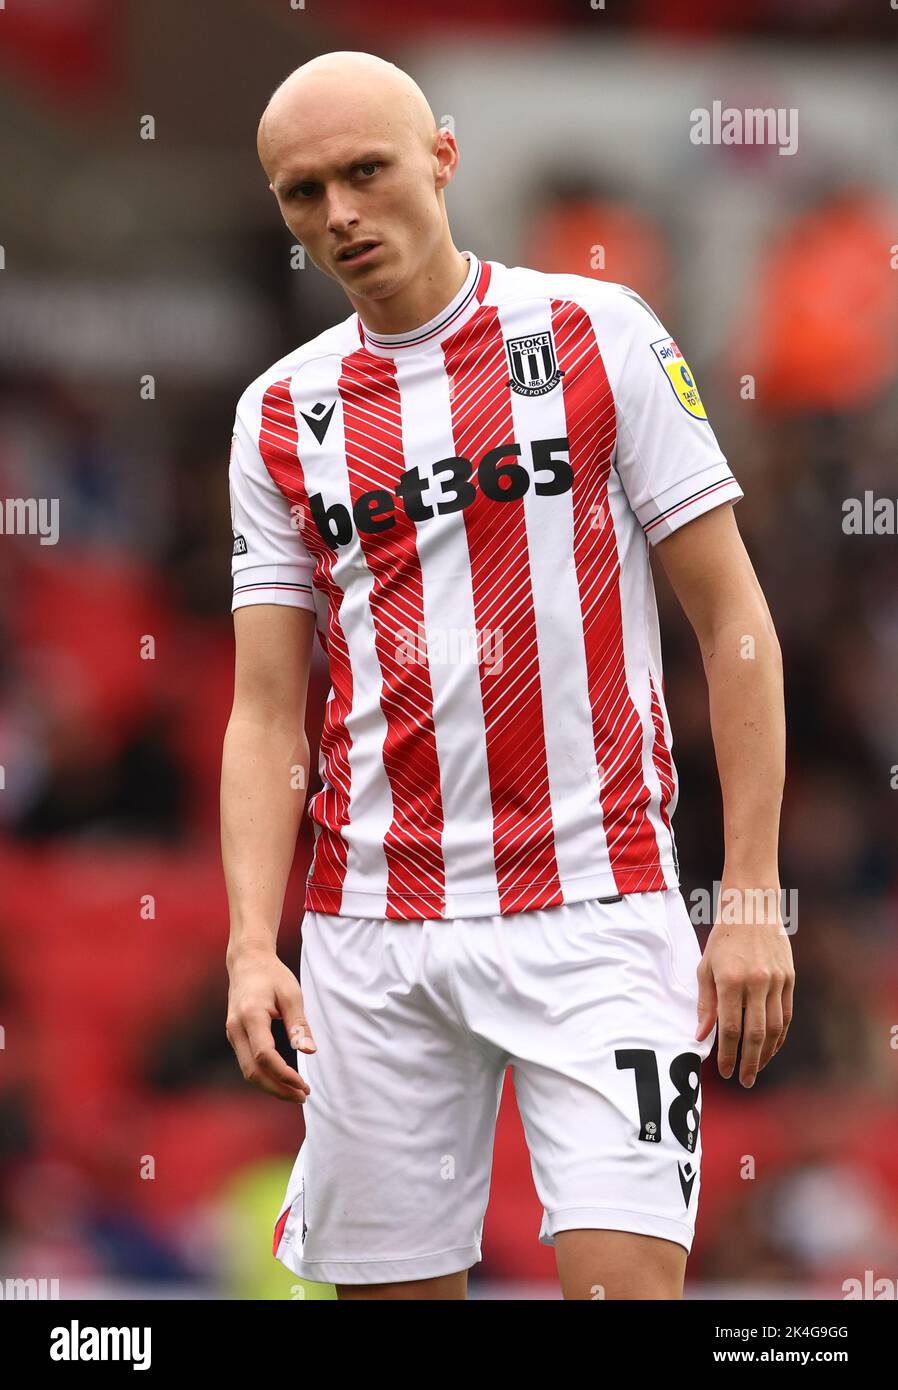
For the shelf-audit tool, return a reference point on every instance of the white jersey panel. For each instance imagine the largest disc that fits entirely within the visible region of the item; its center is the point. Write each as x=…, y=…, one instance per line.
x=452, y=645
x=370, y=804
x=270, y=563
x=640, y=636
x=564, y=689
x=668, y=458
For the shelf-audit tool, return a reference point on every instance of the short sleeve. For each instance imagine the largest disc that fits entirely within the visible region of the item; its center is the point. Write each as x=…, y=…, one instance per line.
x=667, y=457
x=270, y=561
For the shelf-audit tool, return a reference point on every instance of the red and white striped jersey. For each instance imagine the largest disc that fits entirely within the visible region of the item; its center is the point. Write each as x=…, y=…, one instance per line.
x=466, y=507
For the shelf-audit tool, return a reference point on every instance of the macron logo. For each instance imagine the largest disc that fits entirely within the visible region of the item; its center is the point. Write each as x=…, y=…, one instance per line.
x=319, y=419
x=687, y=1178
x=77, y=1343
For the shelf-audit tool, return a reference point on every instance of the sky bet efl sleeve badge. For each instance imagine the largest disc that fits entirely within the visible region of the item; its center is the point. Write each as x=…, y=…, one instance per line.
x=680, y=377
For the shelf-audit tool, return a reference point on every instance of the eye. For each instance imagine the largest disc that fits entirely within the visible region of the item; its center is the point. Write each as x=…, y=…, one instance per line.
x=368, y=169
x=302, y=190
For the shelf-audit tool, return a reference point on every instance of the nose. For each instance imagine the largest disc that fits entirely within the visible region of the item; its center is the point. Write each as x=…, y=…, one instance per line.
x=340, y=213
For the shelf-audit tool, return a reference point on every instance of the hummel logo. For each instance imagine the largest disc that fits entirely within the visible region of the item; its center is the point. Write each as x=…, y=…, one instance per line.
x=687, y=1180
x=319, y=419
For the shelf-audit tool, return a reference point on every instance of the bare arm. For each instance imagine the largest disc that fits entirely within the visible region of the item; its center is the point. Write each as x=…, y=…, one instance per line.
x=264, y=776
x=747, y=963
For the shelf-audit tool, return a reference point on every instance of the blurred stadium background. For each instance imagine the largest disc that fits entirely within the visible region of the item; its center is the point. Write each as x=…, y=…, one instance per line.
x=145, y=282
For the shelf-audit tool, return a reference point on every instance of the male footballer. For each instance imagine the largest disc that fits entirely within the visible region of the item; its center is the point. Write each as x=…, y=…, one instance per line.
x=458, y=487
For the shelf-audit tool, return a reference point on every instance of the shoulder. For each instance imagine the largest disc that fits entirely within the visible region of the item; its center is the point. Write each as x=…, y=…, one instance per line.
x=332, y=342
x=619, y=316
x=602, y=296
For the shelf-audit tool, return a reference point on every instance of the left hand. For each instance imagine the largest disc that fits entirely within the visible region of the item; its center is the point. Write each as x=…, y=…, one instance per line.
x=746, y=973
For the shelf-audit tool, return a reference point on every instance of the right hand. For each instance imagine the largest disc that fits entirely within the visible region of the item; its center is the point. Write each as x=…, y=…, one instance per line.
x=263, y=988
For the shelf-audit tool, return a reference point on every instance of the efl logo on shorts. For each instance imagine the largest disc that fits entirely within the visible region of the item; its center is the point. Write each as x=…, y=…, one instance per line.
x=534, y=368
x=680, y=377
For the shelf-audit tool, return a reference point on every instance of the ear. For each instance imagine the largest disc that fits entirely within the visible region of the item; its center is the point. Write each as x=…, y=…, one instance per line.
x=446, y=153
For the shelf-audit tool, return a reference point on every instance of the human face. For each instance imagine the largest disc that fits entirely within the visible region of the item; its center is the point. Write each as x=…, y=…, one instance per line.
x=379, y=195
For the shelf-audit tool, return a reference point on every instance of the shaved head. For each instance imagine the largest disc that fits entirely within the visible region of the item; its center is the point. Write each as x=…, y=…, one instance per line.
x=372, y=82
x=358, y=166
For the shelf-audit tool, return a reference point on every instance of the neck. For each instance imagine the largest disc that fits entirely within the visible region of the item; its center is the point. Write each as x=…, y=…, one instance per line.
x=433, y=287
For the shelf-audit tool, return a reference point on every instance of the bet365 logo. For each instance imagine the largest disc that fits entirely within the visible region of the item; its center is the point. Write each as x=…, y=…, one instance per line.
x=451, y=488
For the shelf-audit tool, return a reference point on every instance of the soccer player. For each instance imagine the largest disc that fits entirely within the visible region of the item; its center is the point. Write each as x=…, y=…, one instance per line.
x=457, y=488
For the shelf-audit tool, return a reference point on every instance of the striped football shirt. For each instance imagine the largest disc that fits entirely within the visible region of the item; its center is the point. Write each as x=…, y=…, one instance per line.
x=468, y=510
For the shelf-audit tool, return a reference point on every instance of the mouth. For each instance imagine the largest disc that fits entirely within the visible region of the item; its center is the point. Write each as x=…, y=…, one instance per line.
x=360, y=251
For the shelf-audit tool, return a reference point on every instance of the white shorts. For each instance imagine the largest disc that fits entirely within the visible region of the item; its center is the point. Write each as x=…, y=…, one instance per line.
x=594, y=1007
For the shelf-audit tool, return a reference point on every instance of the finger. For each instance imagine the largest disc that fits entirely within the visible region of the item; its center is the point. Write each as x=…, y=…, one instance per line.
x=707, y=1002
x=279, y=1092
x=787, y=1008
x=265, y=1060
x=271, y=1088
x=290, y=1008
x=729, y=1013
x=300, y=1035
x=774, y=1023
x=754, y=1031
x=264, y=1079
x=237, y=1037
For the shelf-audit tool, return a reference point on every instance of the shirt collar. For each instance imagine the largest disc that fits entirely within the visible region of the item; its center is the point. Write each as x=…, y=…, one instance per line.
x=450, y=318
